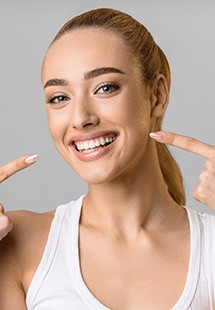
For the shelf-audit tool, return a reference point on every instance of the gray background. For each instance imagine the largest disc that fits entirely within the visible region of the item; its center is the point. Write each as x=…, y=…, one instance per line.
x=183, y=29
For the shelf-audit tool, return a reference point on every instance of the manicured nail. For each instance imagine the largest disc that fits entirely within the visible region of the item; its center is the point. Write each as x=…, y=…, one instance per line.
x=31, y=159
x=157, y=136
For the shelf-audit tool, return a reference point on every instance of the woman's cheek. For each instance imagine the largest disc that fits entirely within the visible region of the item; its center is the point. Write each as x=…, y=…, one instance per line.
x=57, y=125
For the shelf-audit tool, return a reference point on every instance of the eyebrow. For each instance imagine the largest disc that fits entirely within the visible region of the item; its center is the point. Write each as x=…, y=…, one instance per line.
x=88, y=75
x=101, y=71
x=56, y=82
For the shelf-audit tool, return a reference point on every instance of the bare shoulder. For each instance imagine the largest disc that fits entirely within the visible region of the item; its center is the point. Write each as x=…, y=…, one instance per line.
x=28, y=227
x=22, y=249
x=27, y=223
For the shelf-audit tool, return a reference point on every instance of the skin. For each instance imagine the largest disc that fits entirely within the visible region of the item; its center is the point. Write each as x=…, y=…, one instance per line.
x=204, y=191
x=7, y=171
x=126, y=188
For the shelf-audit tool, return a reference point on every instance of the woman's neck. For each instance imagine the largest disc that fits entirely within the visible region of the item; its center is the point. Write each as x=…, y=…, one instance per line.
x=138, y=199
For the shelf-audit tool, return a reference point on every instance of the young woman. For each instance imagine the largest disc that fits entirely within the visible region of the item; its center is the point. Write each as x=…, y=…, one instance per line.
x=128, y=243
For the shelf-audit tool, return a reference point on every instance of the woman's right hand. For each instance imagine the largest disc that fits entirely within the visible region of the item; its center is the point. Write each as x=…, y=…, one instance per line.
x=7, y=171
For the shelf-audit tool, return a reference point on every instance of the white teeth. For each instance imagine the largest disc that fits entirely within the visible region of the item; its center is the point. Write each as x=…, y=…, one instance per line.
x=88, y=151
x=91, y=144
x=97, y=143
x=102, y=141
x=88, y=146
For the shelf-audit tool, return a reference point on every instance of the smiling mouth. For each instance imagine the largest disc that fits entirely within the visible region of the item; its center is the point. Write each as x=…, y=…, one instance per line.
x=89, y=146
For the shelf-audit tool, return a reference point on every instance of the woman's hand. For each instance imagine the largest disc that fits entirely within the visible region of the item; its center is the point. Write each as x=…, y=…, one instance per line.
x=5, y=223
x=5, y=172
x=205, y=191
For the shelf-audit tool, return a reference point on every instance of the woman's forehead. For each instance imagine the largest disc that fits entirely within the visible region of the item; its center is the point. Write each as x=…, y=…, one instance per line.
x=87, y=49
x=83, y=41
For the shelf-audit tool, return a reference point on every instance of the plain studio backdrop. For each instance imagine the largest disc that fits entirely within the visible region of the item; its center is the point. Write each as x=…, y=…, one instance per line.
x=183, y=29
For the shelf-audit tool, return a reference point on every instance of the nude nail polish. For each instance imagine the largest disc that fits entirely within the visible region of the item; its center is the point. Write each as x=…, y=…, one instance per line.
x=31, y=159
x=157, y=136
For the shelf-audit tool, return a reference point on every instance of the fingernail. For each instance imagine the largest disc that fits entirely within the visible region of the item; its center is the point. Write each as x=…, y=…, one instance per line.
x=157, y=136
x=31, y=159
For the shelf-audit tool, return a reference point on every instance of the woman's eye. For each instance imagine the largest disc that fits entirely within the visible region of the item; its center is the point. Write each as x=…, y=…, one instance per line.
x=107, y=89
x=57, y=99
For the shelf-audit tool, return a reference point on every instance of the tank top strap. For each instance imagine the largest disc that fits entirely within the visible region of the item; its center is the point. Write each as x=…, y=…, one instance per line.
x=66, y=215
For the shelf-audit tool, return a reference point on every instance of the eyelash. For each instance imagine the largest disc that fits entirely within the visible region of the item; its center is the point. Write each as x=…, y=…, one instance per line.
x=113, y=86
x=51, y=99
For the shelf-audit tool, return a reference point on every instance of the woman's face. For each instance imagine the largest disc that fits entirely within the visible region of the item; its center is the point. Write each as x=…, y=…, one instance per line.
x=98, y=107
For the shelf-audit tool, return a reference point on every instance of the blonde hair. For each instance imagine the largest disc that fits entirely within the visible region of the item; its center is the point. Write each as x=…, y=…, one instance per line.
x=152, y=61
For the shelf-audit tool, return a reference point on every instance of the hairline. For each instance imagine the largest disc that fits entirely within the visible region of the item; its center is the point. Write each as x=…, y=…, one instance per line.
x=110, y=31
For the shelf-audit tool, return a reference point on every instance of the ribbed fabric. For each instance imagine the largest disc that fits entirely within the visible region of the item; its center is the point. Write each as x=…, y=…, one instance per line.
x=58, y=283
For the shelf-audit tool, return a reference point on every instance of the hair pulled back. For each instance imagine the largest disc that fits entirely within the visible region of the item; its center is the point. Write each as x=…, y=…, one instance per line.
x=152, y=61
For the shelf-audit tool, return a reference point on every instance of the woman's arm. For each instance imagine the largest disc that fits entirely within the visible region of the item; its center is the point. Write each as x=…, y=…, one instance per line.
x=20, y=254
x=5, y=223
x=11, y=293
x=5, y=172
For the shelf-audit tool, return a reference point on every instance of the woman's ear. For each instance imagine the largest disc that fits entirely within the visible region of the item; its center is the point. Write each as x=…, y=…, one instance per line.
x=159, y=96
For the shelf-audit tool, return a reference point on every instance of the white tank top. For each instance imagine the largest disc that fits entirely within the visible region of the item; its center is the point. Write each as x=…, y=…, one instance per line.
x=58, y=283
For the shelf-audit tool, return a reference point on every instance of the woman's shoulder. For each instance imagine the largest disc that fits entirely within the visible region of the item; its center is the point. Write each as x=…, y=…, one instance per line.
x=25, y=219
x=27, y=224
x=22, y=249
x=30, y=229
x=27, y=239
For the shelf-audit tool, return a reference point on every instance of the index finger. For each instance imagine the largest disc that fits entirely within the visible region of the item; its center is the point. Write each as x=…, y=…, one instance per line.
x=186, y=143
x=16, y=165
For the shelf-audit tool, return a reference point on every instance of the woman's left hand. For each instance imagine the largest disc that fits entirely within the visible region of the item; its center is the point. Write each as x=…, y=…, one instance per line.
x=205, y=191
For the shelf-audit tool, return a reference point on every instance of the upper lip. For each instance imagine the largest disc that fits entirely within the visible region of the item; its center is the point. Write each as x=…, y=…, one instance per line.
x=91, y=135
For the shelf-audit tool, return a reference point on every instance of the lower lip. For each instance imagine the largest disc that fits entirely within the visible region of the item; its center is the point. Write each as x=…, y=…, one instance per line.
x=98, y=153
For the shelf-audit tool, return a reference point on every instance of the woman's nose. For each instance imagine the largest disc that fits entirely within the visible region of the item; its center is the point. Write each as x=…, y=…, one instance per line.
x=84, y=115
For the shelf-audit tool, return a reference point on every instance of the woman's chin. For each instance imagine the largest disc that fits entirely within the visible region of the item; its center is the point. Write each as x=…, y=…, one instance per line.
x=96, y=177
